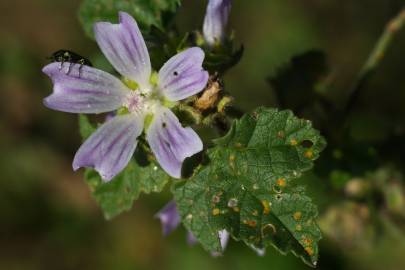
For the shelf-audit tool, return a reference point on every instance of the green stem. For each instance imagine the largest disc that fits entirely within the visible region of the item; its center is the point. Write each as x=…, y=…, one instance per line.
x=378, y=53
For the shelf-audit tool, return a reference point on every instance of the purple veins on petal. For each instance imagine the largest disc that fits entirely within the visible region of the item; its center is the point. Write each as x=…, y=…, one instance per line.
x=183, y=75
x=109, y=149
x=215, y=21
x=169, y=218
x=125, y=48
x=83, y=89
x=170, y=142
x=110, y=115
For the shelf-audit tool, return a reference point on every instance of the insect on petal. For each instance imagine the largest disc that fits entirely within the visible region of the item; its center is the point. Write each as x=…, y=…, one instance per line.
x=83, y=89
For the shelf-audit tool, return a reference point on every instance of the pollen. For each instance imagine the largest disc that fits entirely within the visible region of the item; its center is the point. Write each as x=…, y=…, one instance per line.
x=134, y=101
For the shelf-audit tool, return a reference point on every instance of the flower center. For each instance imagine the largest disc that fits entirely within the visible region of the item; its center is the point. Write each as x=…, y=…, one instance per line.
x=134, y=101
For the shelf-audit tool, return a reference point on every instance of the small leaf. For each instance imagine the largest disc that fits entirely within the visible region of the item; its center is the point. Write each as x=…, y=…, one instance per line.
x=118, y=195
x=248, y=186
x=86, y=128
x=146, y=12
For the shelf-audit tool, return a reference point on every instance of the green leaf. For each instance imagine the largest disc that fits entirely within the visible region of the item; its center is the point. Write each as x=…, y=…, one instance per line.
x=86, y=128
x=146, y=12
x=248, y=186
x=118, y=195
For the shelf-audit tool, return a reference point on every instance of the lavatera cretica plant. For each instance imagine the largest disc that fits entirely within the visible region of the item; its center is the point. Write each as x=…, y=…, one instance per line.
x=142, y=98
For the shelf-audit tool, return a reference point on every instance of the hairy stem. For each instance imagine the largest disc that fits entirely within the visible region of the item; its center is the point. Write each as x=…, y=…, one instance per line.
x=378, y=53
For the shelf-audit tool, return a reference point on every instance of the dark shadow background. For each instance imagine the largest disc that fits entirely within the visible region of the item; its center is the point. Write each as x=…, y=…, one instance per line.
x=48, y=219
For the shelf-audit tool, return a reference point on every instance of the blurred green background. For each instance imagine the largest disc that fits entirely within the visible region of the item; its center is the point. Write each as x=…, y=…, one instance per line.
x=50, y=221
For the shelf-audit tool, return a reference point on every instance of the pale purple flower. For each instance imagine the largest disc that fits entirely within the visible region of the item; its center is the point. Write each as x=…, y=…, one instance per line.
x=215, y=21
x=191, y=240
x=83, y=89
x=170, y=220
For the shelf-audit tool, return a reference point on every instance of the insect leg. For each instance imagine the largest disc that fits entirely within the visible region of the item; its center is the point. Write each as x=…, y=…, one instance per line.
x=70, y=68
x=81, y=62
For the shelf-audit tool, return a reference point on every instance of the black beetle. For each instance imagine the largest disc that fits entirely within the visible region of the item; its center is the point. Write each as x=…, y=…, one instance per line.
x=72, y=58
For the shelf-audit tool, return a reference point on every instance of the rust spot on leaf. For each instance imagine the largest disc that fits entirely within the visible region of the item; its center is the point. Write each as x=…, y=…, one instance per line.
x=297, y=216
x=293, y=142
x=216, y=211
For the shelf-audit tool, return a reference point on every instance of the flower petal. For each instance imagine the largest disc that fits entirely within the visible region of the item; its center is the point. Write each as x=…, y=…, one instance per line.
x=170, y=142
x=125, y=48
x=215, y=21
x=182, y=75
x=191, y=240
x=83, y=89
x=110, y=148
x=169, y=217
x=224, y=239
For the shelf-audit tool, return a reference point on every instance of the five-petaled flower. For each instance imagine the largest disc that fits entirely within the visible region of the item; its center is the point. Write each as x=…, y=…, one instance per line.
x=89, y=90
x=215, y=21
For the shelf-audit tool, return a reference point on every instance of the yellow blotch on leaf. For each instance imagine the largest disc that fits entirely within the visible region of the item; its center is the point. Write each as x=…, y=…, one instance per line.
x=309, y=154
x=306, y=241
x=293, y=142
x=281, y=182
x=250, y=223
x=310, y=251
x=266, y=207
x=216, y=211
x=232, y=161
x=297, y=216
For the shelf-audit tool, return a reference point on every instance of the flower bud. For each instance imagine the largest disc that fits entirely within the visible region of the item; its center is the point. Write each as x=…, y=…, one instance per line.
x=216, y=19
x=169, y=217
